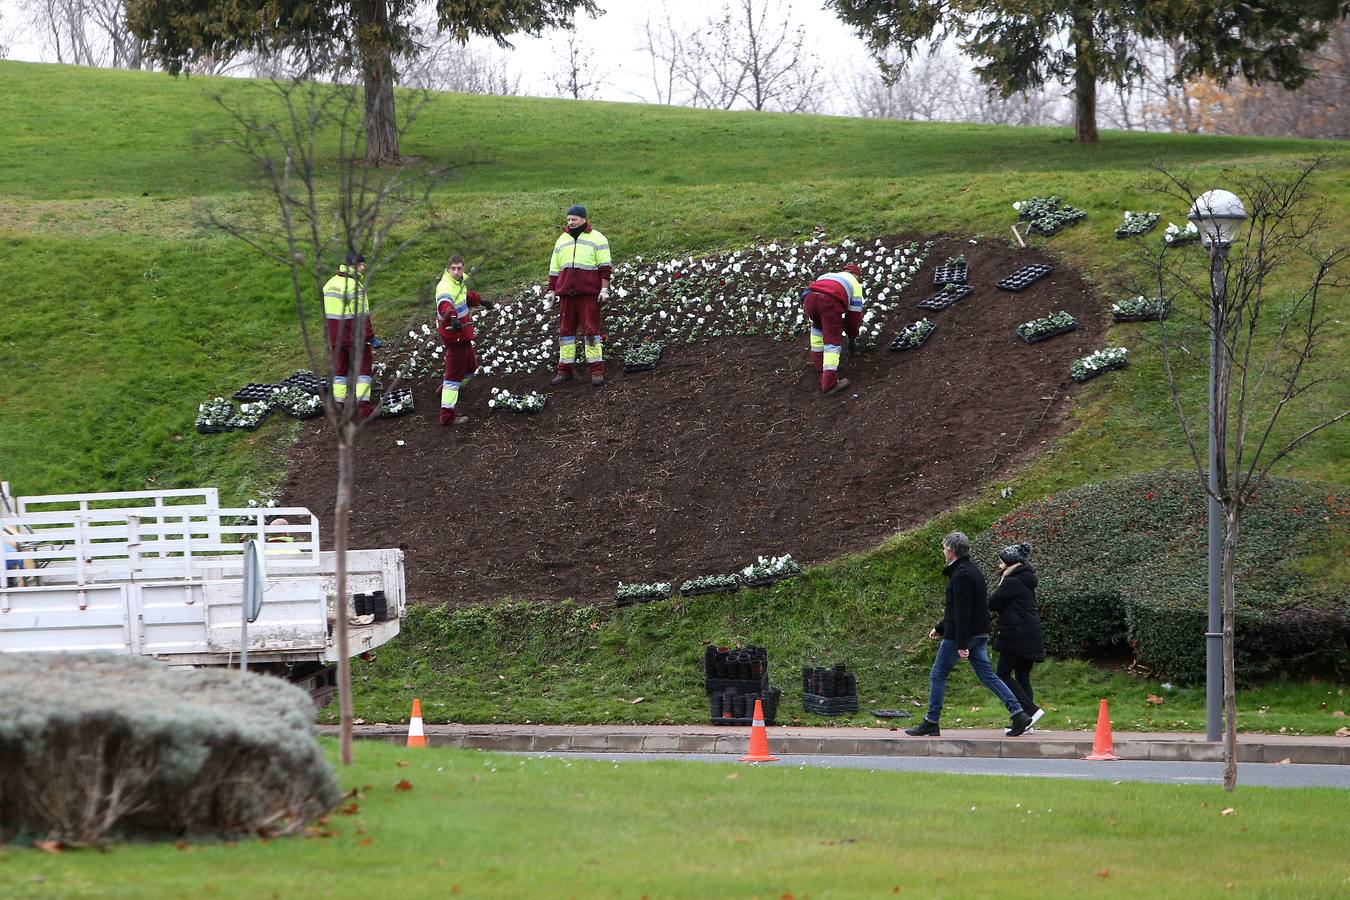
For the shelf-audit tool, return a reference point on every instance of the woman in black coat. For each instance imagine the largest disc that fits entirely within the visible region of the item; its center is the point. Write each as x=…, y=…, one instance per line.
x=1019, y=639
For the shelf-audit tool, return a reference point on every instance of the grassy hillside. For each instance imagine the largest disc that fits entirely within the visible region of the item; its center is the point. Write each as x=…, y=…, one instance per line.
x=125, y=313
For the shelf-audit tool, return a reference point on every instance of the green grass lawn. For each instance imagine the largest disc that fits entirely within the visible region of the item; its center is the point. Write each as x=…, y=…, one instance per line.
x=126, y=314
x=485, y=825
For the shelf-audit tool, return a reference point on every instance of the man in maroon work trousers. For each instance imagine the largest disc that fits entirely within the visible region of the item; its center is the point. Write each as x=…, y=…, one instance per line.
x=833, y=303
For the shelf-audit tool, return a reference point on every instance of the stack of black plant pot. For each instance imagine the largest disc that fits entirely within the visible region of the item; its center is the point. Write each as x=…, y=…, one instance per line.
x=829, y=692
x=372, y=605
x=734, y=678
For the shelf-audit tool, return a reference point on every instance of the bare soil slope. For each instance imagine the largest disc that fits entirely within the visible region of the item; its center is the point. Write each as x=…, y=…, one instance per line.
x=725, y=452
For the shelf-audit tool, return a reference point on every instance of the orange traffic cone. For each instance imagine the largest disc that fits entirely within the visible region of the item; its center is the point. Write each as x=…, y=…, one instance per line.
x=759, y=739
x=1101, y=742
x=416, y=736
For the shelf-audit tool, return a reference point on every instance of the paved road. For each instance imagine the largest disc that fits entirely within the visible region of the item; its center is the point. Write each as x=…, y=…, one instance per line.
x=1256, y=774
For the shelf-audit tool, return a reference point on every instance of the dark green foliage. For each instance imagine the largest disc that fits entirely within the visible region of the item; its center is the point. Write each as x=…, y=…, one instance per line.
x=1125, y=561
x=98, y=745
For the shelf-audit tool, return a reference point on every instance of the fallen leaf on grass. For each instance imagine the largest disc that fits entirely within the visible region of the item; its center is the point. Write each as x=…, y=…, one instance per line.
x=1343, y=732
x=50, y=846
x=365, y=842
x=402, y=763
x=358, y=721
x=181, y=844
x=1228, y=811
x=1103, y=873
x=350, y=809
x=403, y=785
x=1155, y=700
x=1338, y=714
x=638, y=700
x=733, y=776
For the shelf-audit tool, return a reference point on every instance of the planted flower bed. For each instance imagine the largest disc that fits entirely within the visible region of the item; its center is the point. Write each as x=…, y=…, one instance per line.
x=254, y=392
x=1140, y=309
x=628, y=594
x=1043, y=329
x=710, y=584
x=306, y=381
x=1174, y=235
x=396, y=403
x=914, y=335
x=297, y=403
x=214, y=415
x=501, y=398
x=1024, y=277
x=946, y=297
x=1094, y=364
x=249, y=416
x=1048, y=215
x=953, y=271
x=766, y=570
x=1136, y=224
x=642, y=357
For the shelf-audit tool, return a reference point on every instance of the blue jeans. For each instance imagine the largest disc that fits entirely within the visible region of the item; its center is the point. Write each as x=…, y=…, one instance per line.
x=979, y=661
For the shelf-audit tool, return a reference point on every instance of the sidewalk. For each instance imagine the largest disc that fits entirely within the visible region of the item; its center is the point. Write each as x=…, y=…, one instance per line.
x=880, y=741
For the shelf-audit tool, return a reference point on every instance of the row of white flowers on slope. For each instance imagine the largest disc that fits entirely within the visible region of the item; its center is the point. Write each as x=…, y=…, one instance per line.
x=681, y=300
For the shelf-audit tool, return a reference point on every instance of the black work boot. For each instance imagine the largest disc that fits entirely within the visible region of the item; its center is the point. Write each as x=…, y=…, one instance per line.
x=1020, y=723
x=924, y=729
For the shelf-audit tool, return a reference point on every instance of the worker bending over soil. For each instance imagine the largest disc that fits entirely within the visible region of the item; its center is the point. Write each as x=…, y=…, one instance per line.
x=834, y=304
x=453, y=300
x=346, y=311
x=578, y=276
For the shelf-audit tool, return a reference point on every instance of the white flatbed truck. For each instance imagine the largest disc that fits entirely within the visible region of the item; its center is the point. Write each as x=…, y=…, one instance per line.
x=160, y=573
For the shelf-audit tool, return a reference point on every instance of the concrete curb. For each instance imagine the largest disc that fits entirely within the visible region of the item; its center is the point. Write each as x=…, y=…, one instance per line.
x=800, y=741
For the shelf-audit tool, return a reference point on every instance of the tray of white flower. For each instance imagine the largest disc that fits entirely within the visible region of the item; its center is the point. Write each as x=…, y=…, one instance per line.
x=396, y=403
x=249, y=416
x=306, y=381
x=1137, y=223
x=1175, y=235
x=1044, y=328
x=914, y=335
x=767, y=570
x=296, y=403
x=254, y=392
x=1048, y=215
x=710, y=584
x=642, y=356
x=629, y=594
x=213, y=415
x=1104, y=360
x=501, y=398
x=1140, y=309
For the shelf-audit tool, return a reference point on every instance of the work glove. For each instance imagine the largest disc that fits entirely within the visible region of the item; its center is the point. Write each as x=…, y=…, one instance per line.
x=852, y=345
x=454, y=324
x=375, y=343
x=488, y=304
x=550, y=298
x=604, y=293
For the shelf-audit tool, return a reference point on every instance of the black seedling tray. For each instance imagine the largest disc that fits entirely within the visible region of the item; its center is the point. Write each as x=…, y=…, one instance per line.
x=1024, y=277
x=253, y=392
x=1047, y=335
x=765, y=582
x=829, y=706
x=695, y=592
x=254, y=427
x=398, y=396
x=950, y=275
x=737, y=685
x=212, y=429
x=299, y=415
x=1130, y=317
x=645, y=598
x=1122, y=233
x=895, y=344
x=305, y=381
x=644, y=367
x=944, y=299
x=1120, y=365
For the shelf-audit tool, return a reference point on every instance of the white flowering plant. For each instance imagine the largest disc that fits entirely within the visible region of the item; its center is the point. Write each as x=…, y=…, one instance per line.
x=914, y=335
x=260, y=505
x=214, y=414
x=1139, y=309
x=501, y=398
x=1048, y=215
x=641, y=355
x=396, y=402
x=1137, y=223
x=641, y=593
x=710, y=584
x=1046, y=326
x=771, y=568
x=1094, y=364
x=1175, y=235
x=295, y=402
x=249, y=415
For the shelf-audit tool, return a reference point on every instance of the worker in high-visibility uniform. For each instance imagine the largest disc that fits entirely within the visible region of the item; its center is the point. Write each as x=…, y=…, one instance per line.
x=834, y=304
x=453, y=300
x=578, y=276
x=346, y=308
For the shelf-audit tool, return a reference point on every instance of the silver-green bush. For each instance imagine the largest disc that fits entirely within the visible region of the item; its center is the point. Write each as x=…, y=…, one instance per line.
x=94, y=746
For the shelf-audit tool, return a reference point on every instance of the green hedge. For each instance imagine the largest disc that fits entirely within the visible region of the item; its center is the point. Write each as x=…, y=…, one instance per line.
x=1124, y=562
x=94, y=746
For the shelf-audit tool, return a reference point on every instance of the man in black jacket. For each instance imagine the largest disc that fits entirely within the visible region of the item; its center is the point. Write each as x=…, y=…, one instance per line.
x=964, y=634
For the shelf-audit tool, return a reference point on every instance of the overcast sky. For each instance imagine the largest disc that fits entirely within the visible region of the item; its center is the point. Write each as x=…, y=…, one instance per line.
x=613, y=38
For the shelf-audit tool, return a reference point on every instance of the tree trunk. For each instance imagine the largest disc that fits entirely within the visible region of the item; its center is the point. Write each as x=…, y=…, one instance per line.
x=377, y=69
x=1084, y=82
x=341, y=520
x=1233, y=521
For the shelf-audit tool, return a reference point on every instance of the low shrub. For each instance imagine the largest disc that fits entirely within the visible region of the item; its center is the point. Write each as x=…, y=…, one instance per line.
x=1124, y=562
x=94, y=746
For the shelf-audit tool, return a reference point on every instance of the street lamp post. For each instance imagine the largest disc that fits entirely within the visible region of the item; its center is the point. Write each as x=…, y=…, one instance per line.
x=1218, y=215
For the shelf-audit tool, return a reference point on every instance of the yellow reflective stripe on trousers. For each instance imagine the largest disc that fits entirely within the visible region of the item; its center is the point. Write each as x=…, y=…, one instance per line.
x=817, y=340
x=363, y=387
x=567, y=350
x=594, y=350
x=831, y=360
x=449, y=394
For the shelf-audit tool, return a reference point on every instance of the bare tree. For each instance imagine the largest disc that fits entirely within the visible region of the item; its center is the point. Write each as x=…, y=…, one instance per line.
x=1263, y=343
x=669, y=55
x=321, y=201
x=87, y=32
x=574, y=73
x=449, y=63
